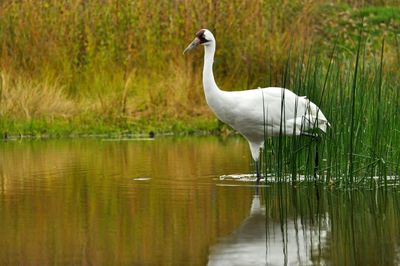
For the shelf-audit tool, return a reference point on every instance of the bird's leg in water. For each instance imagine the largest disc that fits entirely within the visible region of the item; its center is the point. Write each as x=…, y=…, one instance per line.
x=317, y=139
x=258, y=172
x=316, y=163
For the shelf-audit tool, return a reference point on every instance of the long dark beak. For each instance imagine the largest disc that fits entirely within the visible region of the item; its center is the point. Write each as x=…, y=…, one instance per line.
x=192, y=45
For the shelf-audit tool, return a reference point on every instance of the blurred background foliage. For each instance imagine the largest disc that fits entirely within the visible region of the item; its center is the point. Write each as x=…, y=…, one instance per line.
x=120, y=62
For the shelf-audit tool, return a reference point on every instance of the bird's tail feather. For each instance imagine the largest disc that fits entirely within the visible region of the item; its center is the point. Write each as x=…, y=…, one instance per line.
x=316, y=118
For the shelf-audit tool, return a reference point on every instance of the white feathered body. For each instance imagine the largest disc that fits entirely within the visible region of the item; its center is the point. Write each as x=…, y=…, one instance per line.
x=266, y=112
x=258, y=113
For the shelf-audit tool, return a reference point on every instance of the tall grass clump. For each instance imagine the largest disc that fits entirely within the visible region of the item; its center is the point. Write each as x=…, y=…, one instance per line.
x=361, y=100
x=31, y=99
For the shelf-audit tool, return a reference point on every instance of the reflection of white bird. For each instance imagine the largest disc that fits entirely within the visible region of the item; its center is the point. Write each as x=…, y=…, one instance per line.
x=246, y=245
x=256, y=113
x=262, y=240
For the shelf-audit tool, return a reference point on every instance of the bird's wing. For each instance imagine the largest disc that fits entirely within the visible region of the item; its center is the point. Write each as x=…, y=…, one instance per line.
x=254, y=112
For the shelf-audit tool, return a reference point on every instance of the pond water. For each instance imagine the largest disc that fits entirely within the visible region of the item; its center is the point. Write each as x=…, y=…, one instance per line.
x=161, y=202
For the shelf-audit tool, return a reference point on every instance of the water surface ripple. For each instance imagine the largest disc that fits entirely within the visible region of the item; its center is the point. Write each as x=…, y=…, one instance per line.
x=162, y=202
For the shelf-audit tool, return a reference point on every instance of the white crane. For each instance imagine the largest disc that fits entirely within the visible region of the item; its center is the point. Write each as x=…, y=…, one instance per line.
x=256, y=113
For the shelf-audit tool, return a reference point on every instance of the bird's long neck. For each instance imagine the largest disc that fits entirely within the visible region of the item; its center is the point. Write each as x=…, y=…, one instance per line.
x=211, y=90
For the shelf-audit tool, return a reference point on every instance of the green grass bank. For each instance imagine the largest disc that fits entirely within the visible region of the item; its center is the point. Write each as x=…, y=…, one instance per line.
x=88, y=67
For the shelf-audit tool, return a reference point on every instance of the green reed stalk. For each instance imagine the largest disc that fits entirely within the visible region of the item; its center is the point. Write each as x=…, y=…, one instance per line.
x=352, y=112
x=376, y=152
x=360, y=101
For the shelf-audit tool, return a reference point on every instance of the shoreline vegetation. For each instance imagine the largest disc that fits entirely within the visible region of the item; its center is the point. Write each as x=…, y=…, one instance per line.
x=88, y=67
x=59, y=128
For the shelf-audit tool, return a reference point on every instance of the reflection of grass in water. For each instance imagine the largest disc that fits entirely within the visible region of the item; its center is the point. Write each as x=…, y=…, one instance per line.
x=342, y=228
x=75, y=194
x=361, y=103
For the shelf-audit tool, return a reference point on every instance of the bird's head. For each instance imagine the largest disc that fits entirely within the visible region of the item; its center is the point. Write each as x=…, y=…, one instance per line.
x=203, y=37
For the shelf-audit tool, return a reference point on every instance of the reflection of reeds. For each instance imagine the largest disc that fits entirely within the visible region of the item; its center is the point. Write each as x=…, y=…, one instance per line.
x=342, y=228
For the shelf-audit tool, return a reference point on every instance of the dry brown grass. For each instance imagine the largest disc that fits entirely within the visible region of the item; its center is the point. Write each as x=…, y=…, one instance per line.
x=124, y=58
x=22, y=98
